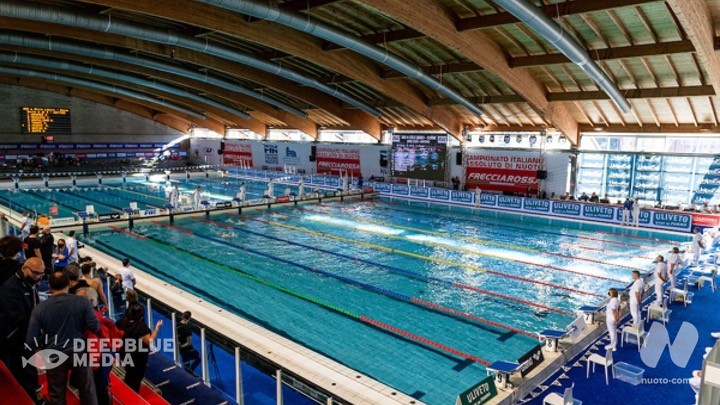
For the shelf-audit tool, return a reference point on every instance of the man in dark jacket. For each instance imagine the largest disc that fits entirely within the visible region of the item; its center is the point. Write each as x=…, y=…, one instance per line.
x=10, y=246
x=63, y=319
x=47, y=248
x=18, y=298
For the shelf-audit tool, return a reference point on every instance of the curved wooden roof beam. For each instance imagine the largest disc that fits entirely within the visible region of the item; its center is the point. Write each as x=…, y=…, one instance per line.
x=433, y=20
x=173, y=119
x=290, y=41
x=695, y=18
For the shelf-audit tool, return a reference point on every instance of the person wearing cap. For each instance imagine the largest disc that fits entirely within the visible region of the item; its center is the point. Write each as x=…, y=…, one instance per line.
x=661, y=277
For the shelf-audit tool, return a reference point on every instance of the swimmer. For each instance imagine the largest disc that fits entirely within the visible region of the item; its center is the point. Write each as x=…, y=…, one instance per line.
x=227, y=235
x=541, y=313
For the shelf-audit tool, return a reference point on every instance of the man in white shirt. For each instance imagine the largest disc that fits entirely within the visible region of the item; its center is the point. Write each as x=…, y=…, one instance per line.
x=174, y=196
x=197, y=197
x=301, y=188
x=661, y=277
x=72, y=246
x=25, y=226
x=674, y=266
x=697, y=245
x=636, y=291
x=241, y=193
x=636, y=212
x=127, y=275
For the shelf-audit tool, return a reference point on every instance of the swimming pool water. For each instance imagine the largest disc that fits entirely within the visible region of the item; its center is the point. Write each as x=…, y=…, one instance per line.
x=395, y=249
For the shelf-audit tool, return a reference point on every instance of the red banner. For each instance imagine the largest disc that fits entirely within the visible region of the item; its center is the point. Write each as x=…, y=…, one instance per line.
x=282, y=199
x=338, y=160
x=517, y=174
x=238, y=154
x=706, y=220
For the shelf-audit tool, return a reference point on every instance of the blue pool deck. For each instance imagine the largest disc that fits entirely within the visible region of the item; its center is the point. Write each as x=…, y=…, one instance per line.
x=667, y=383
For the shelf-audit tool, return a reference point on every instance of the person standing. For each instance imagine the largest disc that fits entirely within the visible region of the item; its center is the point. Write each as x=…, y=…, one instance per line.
x=241, y=193
x=134, y=329
x=66, y=317
x=301, y=188
x=661, y=277
x=174, y=196
x=4, y=225
x=127, y=274
x=18, y=298
x=270, y=192
x=10, y=247
x=697, y=245
x=197, y=198
x=31, y=244
x=627, y=208
x=636, y=212
x=72, y=245
x=190, y=355
x=674, y=262
x=360, y=181
x=61, y=256
x=612, y=318
x=47, y=248
x=94, y=283
x=25, y=225
x=636, y=291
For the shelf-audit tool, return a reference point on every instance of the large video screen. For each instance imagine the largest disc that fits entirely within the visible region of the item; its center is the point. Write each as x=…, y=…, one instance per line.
x=419, y=156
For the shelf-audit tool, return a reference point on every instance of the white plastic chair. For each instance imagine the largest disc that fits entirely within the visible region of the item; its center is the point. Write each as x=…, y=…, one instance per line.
x=90, y=209
x=606, y=361
x=711, y=277
x=554, y=398
x=682, y=292
x=635, y=330
x=661, y=311
x=133, y=206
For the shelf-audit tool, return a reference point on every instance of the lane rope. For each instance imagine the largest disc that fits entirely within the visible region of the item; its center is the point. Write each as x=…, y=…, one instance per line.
x=471, y=239
x=469, y=251
x=336, y=309
x=422, y=257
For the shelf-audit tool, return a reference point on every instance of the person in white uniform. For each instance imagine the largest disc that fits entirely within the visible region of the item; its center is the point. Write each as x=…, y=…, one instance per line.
x=697, y=245
x=345, y=183
x=270, y=192
x=168, y=189
x=478, y=195
x=241, y=193
x=612, y=318
x=661, y=277
x=301, y=188
x=636, y=291
x=197, y=198
x=636, y=212
x=174, y=196
x=674, y=266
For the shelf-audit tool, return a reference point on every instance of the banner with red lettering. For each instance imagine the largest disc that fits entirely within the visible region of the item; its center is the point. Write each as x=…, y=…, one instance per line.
x=239, y=154
x=494, y=171
x=706, y=220
x=334, y=160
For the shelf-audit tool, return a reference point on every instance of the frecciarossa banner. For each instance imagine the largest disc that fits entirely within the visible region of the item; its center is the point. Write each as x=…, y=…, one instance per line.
x=498, y=172
x=670, y=220
x=336, y=160
x=238, y=154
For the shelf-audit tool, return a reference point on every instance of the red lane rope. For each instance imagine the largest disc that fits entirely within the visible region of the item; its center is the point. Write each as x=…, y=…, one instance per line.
x=423, y=340
x=177, y=228
x=610, y=252
x=125, y=231
x=507, y=297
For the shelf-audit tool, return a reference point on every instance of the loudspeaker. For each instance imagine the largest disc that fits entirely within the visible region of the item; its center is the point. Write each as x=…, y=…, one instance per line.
x=220, y=151
x=458, y=158
x=542, y=174
x=383, y=161
x=313, y=151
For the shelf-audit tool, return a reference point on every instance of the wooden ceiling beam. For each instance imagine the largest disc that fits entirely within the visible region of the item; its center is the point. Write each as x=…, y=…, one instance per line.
x=695, y=19
x=305, y=5
x=495, y=20
x=662, y=129
x=432, y=19
x=288, y=40
x=624, y=52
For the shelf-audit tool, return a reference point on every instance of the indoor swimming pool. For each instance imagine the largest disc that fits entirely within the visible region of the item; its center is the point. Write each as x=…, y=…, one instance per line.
x=419, y=296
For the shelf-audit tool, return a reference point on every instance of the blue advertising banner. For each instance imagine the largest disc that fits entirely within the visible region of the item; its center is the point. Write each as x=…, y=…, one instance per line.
x=417, y=191
x=671, y=220
x=505, y=201
x=602, y=212
x=489, y=200
x=644, y=216
x=535, y=205
x=318, y=180
x=462, y=196
x=566, y=208
x=382, y=187
x=439, y=194
x=333, y=181
x=400, y=189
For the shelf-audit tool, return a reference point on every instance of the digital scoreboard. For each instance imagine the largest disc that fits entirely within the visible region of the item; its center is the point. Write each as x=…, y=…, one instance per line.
x=419, y=156
x=43, y=120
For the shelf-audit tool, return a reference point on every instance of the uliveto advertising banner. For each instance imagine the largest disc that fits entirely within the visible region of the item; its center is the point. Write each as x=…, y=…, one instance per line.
x=237, y=154
x=332, y=160
x=499, y=172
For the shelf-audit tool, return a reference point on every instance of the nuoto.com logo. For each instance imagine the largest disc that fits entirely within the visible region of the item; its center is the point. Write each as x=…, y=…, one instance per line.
x=93, y=353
